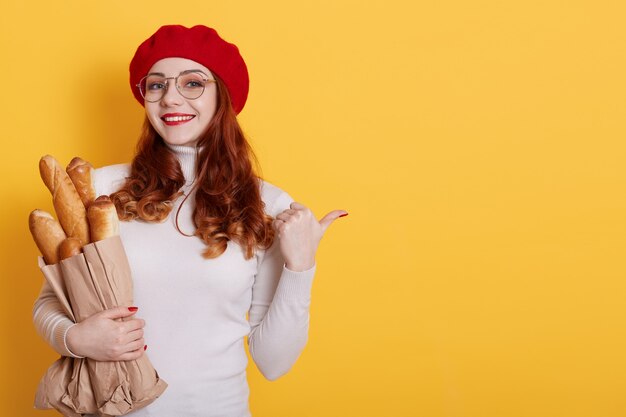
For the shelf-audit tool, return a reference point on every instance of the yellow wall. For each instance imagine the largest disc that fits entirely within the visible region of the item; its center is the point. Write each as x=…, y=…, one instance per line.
x=478, y=146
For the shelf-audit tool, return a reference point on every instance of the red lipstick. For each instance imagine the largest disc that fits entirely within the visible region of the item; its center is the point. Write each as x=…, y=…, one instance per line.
x=174, y=119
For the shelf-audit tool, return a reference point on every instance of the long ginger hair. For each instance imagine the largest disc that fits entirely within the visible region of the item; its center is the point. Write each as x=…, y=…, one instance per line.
x=228, y=203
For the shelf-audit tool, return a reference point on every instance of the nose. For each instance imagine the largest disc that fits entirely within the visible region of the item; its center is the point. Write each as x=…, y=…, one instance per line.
x=171, y=96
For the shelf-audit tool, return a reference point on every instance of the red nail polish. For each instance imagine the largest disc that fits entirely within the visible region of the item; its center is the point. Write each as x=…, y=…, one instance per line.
x=344, y=215
x=145, y=347
x=133, y=308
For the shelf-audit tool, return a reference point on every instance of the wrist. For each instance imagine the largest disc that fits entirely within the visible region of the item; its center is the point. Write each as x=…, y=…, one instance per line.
x=68, y=339
x=300, y=266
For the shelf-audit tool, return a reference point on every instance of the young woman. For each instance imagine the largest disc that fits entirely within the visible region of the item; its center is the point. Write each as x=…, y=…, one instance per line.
x=216, y=253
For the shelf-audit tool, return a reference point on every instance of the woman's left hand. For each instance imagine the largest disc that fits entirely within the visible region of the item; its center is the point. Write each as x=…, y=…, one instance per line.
x=300, y=233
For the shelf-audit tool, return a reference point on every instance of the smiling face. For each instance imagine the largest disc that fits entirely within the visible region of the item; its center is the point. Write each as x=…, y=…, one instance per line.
x=179, y=120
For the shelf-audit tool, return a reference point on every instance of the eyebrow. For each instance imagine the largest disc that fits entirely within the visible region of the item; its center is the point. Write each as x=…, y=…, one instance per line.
x=183, y=72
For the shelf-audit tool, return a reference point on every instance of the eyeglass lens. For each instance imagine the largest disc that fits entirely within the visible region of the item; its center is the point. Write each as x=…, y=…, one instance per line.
x=190, y=85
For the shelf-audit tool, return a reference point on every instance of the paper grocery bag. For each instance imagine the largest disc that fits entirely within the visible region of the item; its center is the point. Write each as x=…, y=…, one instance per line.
x=86, y=284
x=52, y=391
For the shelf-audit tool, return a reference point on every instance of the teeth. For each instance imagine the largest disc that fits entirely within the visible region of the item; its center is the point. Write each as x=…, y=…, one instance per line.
x=177, y=118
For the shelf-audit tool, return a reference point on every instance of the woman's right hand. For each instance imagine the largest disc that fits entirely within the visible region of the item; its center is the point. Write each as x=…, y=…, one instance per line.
x=103, y=337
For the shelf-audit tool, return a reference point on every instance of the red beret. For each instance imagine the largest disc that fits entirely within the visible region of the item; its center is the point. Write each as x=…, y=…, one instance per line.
x=200, y=44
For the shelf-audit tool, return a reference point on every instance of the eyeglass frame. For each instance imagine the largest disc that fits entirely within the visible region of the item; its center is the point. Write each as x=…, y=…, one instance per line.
x=167, y=84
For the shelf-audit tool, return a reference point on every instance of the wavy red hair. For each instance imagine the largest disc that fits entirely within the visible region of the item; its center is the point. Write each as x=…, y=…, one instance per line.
x=228, y=204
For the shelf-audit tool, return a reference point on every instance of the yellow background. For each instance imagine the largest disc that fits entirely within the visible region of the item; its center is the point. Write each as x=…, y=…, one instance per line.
x=478, y=146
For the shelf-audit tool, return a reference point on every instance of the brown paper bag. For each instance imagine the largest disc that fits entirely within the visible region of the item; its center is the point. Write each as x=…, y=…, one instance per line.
x=86, y=284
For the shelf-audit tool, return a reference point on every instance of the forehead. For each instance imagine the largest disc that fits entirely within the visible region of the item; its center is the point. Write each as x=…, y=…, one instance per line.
x=174, y=66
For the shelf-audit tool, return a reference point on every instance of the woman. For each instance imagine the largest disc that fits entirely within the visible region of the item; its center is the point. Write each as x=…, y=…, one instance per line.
x=208, y=242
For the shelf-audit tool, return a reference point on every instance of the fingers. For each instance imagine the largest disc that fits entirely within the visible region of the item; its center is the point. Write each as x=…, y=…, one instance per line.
x=119, y=312
x=297, y=206
x=296, y=210
x=286, y=215
x=133, y=354
x=134, y=324
x=289, y=215
x=328, y=219
x=136, y=345
x=129, y=342
x=104, y=336
x=135, y=335
x=131, y=348
x=129, y=332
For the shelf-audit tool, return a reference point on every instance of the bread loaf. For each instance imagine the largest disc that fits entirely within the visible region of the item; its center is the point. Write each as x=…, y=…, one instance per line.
x=67, y=203
x=103, y=219
x=47, y=233
x=80, y=172
x=69, y=247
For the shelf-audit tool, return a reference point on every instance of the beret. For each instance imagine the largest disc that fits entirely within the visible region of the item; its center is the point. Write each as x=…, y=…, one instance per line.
x=201, y=44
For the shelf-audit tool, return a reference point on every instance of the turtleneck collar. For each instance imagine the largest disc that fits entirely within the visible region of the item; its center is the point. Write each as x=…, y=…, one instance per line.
x=187, y=156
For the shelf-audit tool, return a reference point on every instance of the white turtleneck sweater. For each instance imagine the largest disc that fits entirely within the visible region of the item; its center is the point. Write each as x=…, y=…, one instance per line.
x=195, y=309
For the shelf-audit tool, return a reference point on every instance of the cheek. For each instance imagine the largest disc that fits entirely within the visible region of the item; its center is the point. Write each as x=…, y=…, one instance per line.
x=207, y=108
x=153, y=117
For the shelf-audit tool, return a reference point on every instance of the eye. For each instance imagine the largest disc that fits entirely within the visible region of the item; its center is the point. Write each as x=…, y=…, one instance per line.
x=155, y=85
x=192, y=81
x=194, y=84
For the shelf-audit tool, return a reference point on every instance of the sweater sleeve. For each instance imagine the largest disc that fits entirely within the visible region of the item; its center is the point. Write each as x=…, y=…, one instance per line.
x=51, y=322
x=279, y=313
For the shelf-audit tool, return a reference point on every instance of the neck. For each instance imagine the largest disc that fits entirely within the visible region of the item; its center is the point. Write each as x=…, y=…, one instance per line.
x=187, y=157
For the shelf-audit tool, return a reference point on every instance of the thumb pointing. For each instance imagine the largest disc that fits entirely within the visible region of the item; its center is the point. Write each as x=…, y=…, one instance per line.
x=331, y=217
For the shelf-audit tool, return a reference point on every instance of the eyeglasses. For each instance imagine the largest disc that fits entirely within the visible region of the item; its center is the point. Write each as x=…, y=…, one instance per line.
x=190, y=84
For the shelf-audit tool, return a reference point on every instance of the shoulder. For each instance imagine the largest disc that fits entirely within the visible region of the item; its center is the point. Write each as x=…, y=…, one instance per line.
x=109, y=179
x=275, y=199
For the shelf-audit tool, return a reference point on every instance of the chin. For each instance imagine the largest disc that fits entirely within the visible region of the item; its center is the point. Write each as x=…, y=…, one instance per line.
x=180, y=142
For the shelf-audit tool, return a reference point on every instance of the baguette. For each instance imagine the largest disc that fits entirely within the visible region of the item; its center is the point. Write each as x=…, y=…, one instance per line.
x=103, y=219
x=47, y=233
x=80, y=172
x=69, y=247
x=67, y=203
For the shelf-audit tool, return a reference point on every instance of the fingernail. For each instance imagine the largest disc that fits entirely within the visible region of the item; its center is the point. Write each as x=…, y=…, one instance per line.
x=344, y=215
x=145, y=347
x=133, y=308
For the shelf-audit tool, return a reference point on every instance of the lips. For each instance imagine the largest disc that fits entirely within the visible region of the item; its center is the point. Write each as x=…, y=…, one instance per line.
x=174, y=119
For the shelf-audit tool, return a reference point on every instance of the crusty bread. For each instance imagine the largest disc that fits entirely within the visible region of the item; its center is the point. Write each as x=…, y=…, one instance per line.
x=67, y=203
x=103, y=219
x=47, y=233
x=69, y=247
x=80, y=172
